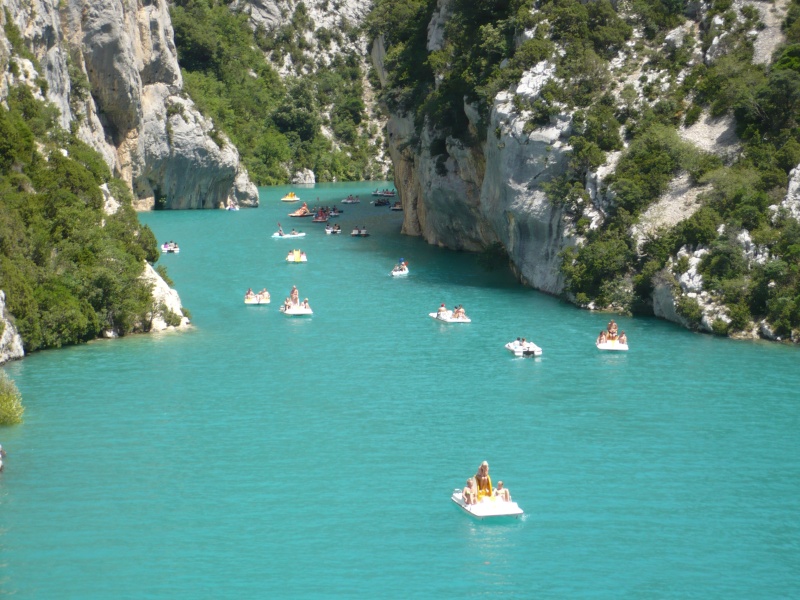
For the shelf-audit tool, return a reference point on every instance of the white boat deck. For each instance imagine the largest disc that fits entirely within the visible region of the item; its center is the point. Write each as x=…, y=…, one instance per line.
x=488, y=508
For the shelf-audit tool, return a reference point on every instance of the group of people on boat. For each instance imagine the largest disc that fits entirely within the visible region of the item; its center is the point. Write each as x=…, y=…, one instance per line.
x=294, y=300
x=280, y=231
x=523, y=344
x=263, y=295
x=401, y=266
x=351, y=199
x=458, y=312
x=384, y=192
x=479, y=487
x=296, y=256
x=359, y=231
x=170, y=246
x=335, y=228
x=303, y=211
x=610, y=334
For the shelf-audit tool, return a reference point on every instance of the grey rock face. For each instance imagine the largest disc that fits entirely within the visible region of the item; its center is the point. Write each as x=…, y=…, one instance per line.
x=10, y=341
x=125, y=49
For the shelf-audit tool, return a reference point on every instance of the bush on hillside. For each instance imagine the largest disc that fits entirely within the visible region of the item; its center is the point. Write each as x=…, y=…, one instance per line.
x=11, y=408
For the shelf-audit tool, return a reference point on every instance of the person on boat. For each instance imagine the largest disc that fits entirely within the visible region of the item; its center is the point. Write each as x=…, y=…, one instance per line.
x=294, y=232
x=287, y=304
x=249, y=292
x=305, y=303
x=303, y=255
x=280, y=229
x=612, y=329
x=469, y=493
x=602, y=338
x=502, y=492
x=337, y=227
x=295, y=295
x=264, y=294
x=442, y=310
x=623, y=339
x=483, y=481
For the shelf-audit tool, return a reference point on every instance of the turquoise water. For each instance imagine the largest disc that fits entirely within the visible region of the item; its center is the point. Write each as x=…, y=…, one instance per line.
x=259, y=455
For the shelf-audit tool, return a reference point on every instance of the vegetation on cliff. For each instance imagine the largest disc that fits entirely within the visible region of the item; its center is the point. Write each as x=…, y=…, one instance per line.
x=486, y=48
x=278, y=125
x=69, y=270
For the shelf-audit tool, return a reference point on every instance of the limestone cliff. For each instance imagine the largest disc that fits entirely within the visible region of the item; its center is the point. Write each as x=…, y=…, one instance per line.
x=111, y=69
x=472, y=195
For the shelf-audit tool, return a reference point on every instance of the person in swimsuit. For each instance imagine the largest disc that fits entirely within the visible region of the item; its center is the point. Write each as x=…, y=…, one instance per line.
x=483, y=481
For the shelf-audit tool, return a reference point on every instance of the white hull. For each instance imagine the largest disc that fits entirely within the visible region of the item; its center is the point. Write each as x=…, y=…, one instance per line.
x=447, y=317
x=256, y=300
x=488, y=508
x=333, y=231
x=288, y=235
x=400, y=272
x=614, y=346
x=168, y=250
x=528, y=349
x=296, y=311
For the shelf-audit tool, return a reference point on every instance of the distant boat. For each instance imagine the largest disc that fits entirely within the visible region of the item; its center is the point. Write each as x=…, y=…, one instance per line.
x=487, y=508
x=290, y=197
x=278, y=234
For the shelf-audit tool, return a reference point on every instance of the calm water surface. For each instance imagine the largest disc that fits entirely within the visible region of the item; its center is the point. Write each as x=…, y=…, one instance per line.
x=263, y=456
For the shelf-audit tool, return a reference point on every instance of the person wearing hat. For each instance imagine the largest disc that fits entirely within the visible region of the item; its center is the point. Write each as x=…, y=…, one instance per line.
x=442, y=309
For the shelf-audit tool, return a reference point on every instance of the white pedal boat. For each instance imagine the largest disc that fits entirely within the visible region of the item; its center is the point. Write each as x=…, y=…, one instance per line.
x=332, y=231
x=488, y=508
x=399, y=271
x=296, y=311
x=447, y=317
x=613, y=345
x=526, y=349
x=257, y=299
x=170, y=248
x=288, y=235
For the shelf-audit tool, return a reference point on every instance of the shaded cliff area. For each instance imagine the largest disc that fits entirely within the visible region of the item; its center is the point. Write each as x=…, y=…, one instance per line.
x=638, y=157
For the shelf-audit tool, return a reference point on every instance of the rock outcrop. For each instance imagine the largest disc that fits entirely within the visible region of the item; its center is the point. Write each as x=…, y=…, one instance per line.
x=10, y=341
x=112, y=70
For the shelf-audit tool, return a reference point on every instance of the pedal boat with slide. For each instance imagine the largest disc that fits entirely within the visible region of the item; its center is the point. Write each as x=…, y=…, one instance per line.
x=523, y=349
x=488, y=508
x=447, y=317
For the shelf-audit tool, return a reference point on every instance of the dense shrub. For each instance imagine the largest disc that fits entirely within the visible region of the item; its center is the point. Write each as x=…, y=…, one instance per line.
x=11, y=408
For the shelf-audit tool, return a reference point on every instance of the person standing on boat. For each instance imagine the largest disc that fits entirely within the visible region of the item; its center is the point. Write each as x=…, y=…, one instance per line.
x=295, y=295
x=483, y=481
x=280, y=229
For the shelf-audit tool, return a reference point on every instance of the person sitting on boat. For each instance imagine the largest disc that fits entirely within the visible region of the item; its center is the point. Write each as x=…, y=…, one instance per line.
x=294, y=232
x=442, y=310
x=305, y=303
x=612, y=329
x=337, y=227
x=483, y=481
x=502, y=493
x=469, y=493
x=602, y=338
x=249, y=292
x=623, y=339
x=264, y=294
x=303, y=255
